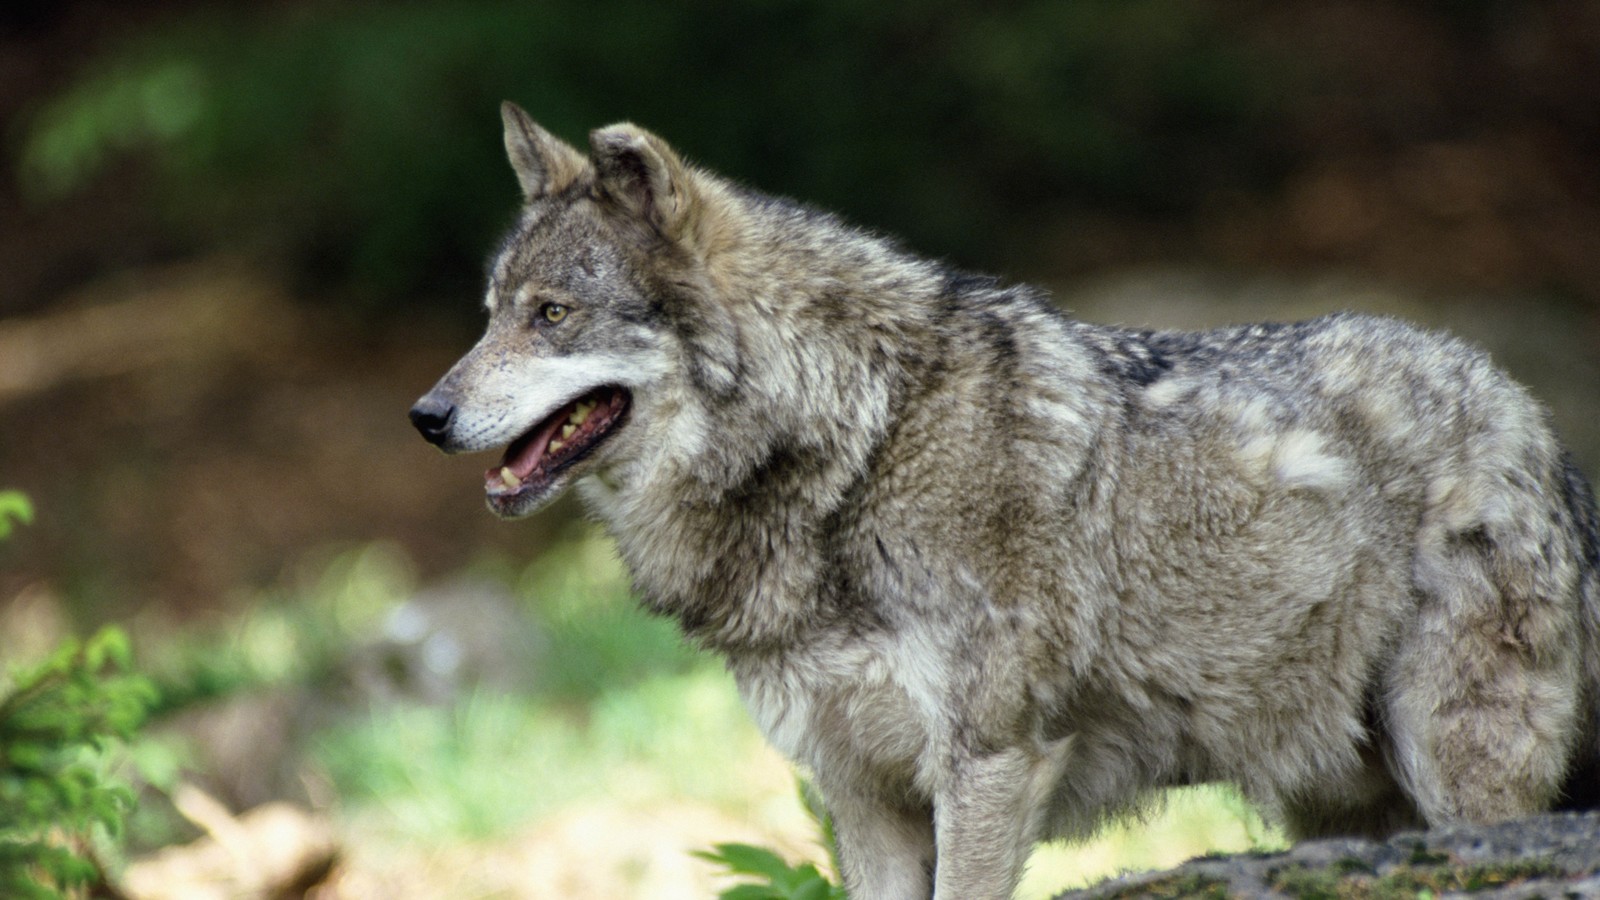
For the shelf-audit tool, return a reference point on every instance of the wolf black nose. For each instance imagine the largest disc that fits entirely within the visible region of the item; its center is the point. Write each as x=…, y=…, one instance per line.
x=432, y=416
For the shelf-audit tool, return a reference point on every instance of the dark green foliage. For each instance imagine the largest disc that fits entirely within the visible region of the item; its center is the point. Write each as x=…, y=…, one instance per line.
x=774, y=878
x=58, y=723
x=364, y=138
x=1352, y=865
x=1422, y=856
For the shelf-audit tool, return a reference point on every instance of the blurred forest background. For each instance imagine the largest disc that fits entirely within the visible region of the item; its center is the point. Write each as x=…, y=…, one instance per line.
x=238, y=238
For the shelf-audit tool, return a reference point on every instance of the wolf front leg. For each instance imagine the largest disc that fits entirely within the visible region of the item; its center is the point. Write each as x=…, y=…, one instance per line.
x=989, y=817
x=886, y=851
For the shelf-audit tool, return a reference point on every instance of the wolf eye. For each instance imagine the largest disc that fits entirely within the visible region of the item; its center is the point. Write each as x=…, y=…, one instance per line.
x=553, y=312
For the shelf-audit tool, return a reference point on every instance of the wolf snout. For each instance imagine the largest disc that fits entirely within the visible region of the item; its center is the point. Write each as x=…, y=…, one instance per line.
x=432, y=416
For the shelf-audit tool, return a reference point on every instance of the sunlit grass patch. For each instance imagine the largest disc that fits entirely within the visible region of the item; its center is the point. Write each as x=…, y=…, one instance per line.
x=495, y=761
x=598, y=640
x=618, y=706
x=1190, y=822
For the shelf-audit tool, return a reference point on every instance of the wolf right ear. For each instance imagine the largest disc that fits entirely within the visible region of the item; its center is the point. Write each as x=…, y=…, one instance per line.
x=639, y=175
x=543, y=162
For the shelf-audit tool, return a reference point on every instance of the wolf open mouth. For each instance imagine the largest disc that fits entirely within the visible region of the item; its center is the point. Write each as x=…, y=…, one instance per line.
x=569, y=434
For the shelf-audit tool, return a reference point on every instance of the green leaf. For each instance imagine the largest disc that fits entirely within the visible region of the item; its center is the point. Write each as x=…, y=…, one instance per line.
x=745, y=859
x=27, y=889
x=795, y=878
x=28, y=757
x=14, y=505
x=817, y=888
x=817, y=809
x=107, y=806
x=77, y=870
x=59, y=728
x=750, y=892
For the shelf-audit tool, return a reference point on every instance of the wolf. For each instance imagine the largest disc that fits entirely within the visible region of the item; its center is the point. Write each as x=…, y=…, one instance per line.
x=996, y=575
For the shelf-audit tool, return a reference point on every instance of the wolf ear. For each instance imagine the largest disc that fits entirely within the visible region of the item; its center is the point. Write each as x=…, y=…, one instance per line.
x=644, y=179
x=543, y=162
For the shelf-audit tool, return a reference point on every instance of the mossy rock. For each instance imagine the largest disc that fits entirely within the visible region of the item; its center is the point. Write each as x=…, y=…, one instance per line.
x=1554, y=856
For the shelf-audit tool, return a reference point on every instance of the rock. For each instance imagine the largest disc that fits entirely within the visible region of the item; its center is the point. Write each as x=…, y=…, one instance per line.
x=1550, y=856
x=443, y=643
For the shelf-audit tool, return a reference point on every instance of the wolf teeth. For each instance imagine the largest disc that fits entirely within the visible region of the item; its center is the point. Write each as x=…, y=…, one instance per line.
x=556, y=445
x=508, y=477
x=581, y=412
x=568, y=429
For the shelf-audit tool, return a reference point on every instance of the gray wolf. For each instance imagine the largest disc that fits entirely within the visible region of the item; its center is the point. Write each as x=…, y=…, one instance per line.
x=995, y=575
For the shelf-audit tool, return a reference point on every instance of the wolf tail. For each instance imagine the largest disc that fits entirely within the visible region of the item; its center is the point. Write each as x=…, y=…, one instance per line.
x=1582, y=788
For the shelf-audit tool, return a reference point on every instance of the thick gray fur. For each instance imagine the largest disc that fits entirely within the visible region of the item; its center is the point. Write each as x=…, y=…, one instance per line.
x=996, y=575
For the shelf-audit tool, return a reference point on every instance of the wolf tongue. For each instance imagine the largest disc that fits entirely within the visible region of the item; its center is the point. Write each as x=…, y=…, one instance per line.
x=524, y=455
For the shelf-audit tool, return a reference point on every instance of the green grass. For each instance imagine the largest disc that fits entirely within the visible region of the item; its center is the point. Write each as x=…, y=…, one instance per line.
x=598, y=638
x=618, y=707
x=495, y=762
x=1190, y=822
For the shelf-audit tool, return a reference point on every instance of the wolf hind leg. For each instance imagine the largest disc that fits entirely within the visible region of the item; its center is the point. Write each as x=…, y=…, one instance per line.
x=1482, y=696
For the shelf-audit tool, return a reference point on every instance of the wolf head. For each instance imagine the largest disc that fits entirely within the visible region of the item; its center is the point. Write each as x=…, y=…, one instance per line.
x=599, y=320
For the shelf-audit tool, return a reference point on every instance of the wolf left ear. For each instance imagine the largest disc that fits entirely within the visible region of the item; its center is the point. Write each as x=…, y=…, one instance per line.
x=543, y=162
x=643, y=178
